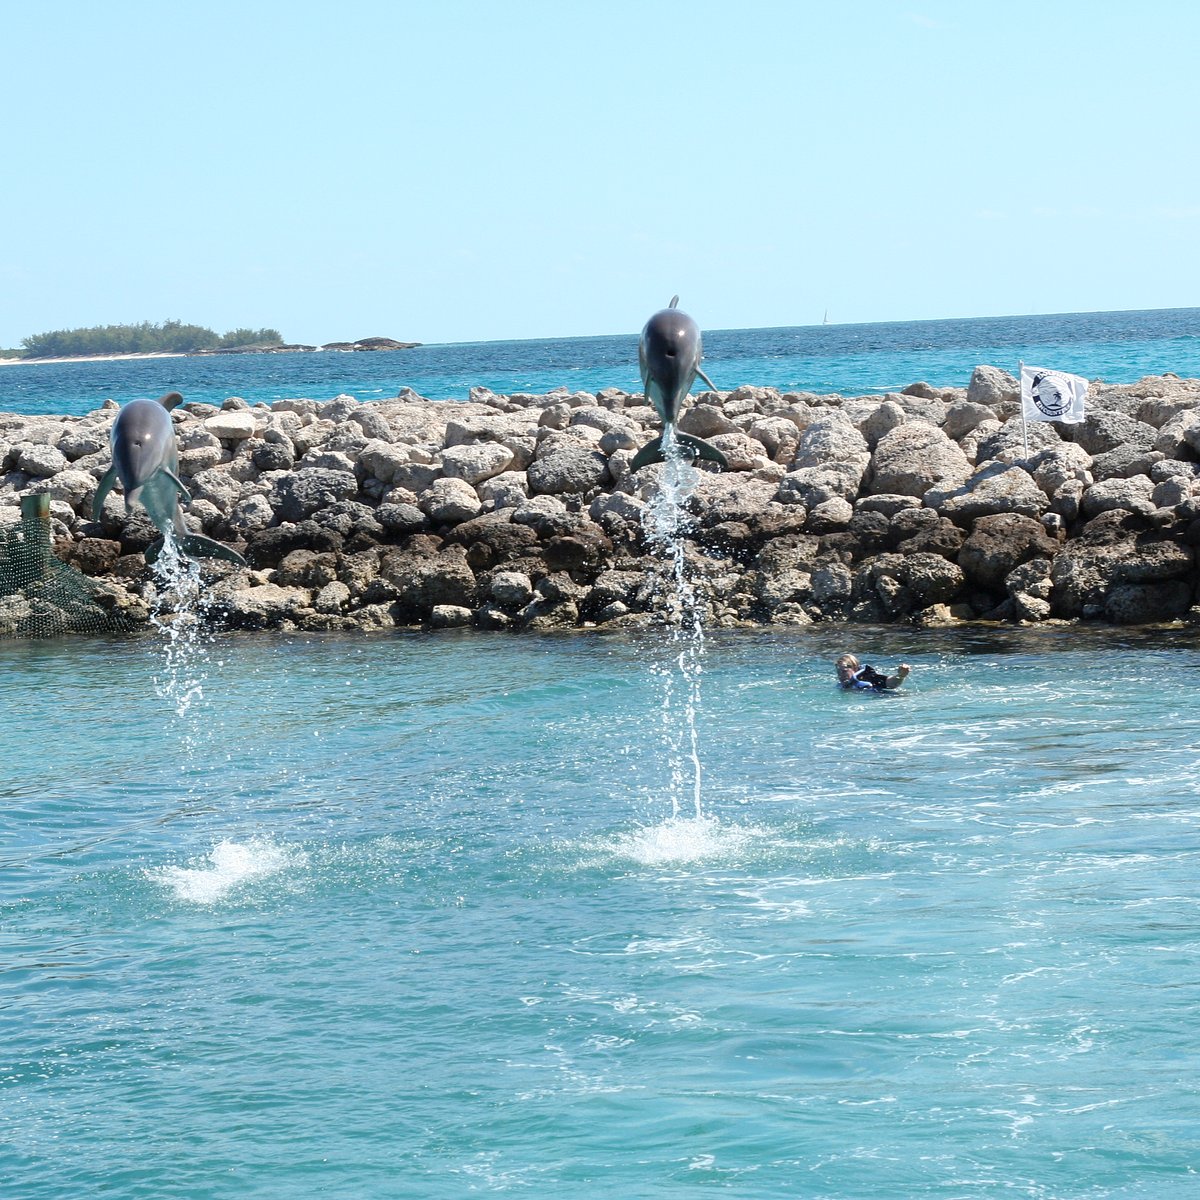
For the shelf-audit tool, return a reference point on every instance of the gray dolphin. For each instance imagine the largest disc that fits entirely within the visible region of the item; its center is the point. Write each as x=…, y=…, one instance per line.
x=669, y=357
x=145, y=460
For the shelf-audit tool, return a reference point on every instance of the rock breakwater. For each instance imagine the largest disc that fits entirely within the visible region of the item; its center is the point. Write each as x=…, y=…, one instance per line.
x=520, y=511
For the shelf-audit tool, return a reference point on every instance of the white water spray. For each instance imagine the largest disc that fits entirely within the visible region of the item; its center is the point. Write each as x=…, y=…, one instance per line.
x=178, y=610
x=666, y=524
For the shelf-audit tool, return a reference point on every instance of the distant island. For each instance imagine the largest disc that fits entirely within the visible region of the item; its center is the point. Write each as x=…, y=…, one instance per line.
x=174, y=337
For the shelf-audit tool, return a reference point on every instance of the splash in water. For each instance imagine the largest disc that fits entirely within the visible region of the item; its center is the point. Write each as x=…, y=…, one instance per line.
x=666, y=525
x=682, y=841
x=227, y=867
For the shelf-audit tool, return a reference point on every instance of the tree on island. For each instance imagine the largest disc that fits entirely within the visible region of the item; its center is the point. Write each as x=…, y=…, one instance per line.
x=170, y=337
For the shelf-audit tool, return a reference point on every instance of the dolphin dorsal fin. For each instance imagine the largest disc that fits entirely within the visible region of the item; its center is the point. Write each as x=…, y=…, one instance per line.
x=674, y=302
x=170, y=400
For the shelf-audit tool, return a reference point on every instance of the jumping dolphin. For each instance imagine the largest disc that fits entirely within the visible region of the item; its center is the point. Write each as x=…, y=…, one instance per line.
x=669, y=358
x=145, y=460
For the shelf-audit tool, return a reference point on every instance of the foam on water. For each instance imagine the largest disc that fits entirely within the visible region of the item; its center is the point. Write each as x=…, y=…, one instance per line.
x=682, y=840
x=227, y=867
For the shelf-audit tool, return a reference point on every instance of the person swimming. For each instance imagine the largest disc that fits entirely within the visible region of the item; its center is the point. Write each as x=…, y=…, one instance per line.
x=856, y=677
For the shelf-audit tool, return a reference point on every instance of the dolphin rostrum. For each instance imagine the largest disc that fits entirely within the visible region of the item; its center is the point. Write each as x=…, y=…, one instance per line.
x=669, y=357
x=145, y=460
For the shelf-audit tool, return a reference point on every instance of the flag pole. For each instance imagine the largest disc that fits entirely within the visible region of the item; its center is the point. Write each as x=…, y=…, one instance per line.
x=1024, y=419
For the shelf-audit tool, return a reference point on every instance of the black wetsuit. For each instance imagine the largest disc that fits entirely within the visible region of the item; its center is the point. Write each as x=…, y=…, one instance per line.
x=866, y=677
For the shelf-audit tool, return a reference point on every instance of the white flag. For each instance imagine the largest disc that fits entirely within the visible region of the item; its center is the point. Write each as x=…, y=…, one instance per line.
x=1052, y=395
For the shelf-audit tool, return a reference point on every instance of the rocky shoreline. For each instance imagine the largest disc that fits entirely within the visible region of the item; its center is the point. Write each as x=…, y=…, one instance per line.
x=520, y=512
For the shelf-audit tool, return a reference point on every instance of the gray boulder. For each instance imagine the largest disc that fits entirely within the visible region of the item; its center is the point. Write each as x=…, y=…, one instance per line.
x=914, y=458
x=566, y=464
x=1130, y=495
x=450, y=501
x=992, y=387
x=477, y=462
x=300, y=494
x=1101, y=430
x=964, y=417
x=996, y=488
x=831, y=439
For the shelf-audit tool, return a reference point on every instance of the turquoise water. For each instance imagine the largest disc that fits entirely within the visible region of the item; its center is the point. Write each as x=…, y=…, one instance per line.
x=1117, y=347
x=410, y=916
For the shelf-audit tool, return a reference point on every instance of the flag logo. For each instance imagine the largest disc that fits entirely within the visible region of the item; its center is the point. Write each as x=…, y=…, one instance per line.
x=1052, y=395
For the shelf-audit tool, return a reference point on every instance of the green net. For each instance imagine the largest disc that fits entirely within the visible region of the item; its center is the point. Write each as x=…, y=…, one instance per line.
x=41, y=596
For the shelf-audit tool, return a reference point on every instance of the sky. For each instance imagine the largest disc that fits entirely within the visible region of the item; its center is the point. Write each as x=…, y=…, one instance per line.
x=476, y=171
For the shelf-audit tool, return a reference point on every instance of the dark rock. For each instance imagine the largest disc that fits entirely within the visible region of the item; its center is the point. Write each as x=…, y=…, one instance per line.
x=584, y=552
x=273, y=456
x=1144, y=603
x=267, y=548
x=305, y=568
x=401, y=519
x=421, y=582
x=1001, y=542
x=302, y=493
x=94, y=555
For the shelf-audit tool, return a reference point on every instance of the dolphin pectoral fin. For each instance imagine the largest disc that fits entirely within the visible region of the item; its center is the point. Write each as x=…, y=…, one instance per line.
x=651, y=452
x=702, y=449
x=170, y=400
x=106, y=485
x=154, y=550
x=706, y=379
x=199, y=546
x=674, y=302
x=176, y=481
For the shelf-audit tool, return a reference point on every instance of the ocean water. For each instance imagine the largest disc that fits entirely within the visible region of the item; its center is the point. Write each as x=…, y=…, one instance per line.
x=433, y=916
x=1117, y=347
x=652, y=915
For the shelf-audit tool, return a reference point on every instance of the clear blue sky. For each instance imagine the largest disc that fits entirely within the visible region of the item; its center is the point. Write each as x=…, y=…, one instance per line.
x=462, y=171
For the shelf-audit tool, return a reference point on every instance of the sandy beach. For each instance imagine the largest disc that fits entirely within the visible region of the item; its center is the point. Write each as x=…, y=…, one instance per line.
x=7, y=362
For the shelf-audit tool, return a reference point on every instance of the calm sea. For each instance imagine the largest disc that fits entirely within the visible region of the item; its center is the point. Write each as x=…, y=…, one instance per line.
x=437, y=916
x=850, y=359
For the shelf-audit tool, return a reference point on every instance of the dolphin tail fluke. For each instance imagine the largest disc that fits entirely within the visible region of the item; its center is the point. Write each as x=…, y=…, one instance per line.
x=196, y=545
x=106, y=486
x=696, y=447
x=199, y=546
x=651, y=452
x=703, y=449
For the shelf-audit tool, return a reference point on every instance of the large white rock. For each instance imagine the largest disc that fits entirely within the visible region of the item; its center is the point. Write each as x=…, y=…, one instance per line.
x=477, y=462
x=231, y=426
x=915, y=457
x=450, y=502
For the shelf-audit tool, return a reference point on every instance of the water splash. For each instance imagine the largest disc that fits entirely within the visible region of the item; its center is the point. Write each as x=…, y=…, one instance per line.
x=666, y=524
x=683, y=840
x=227, y=866
x=178, y=610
